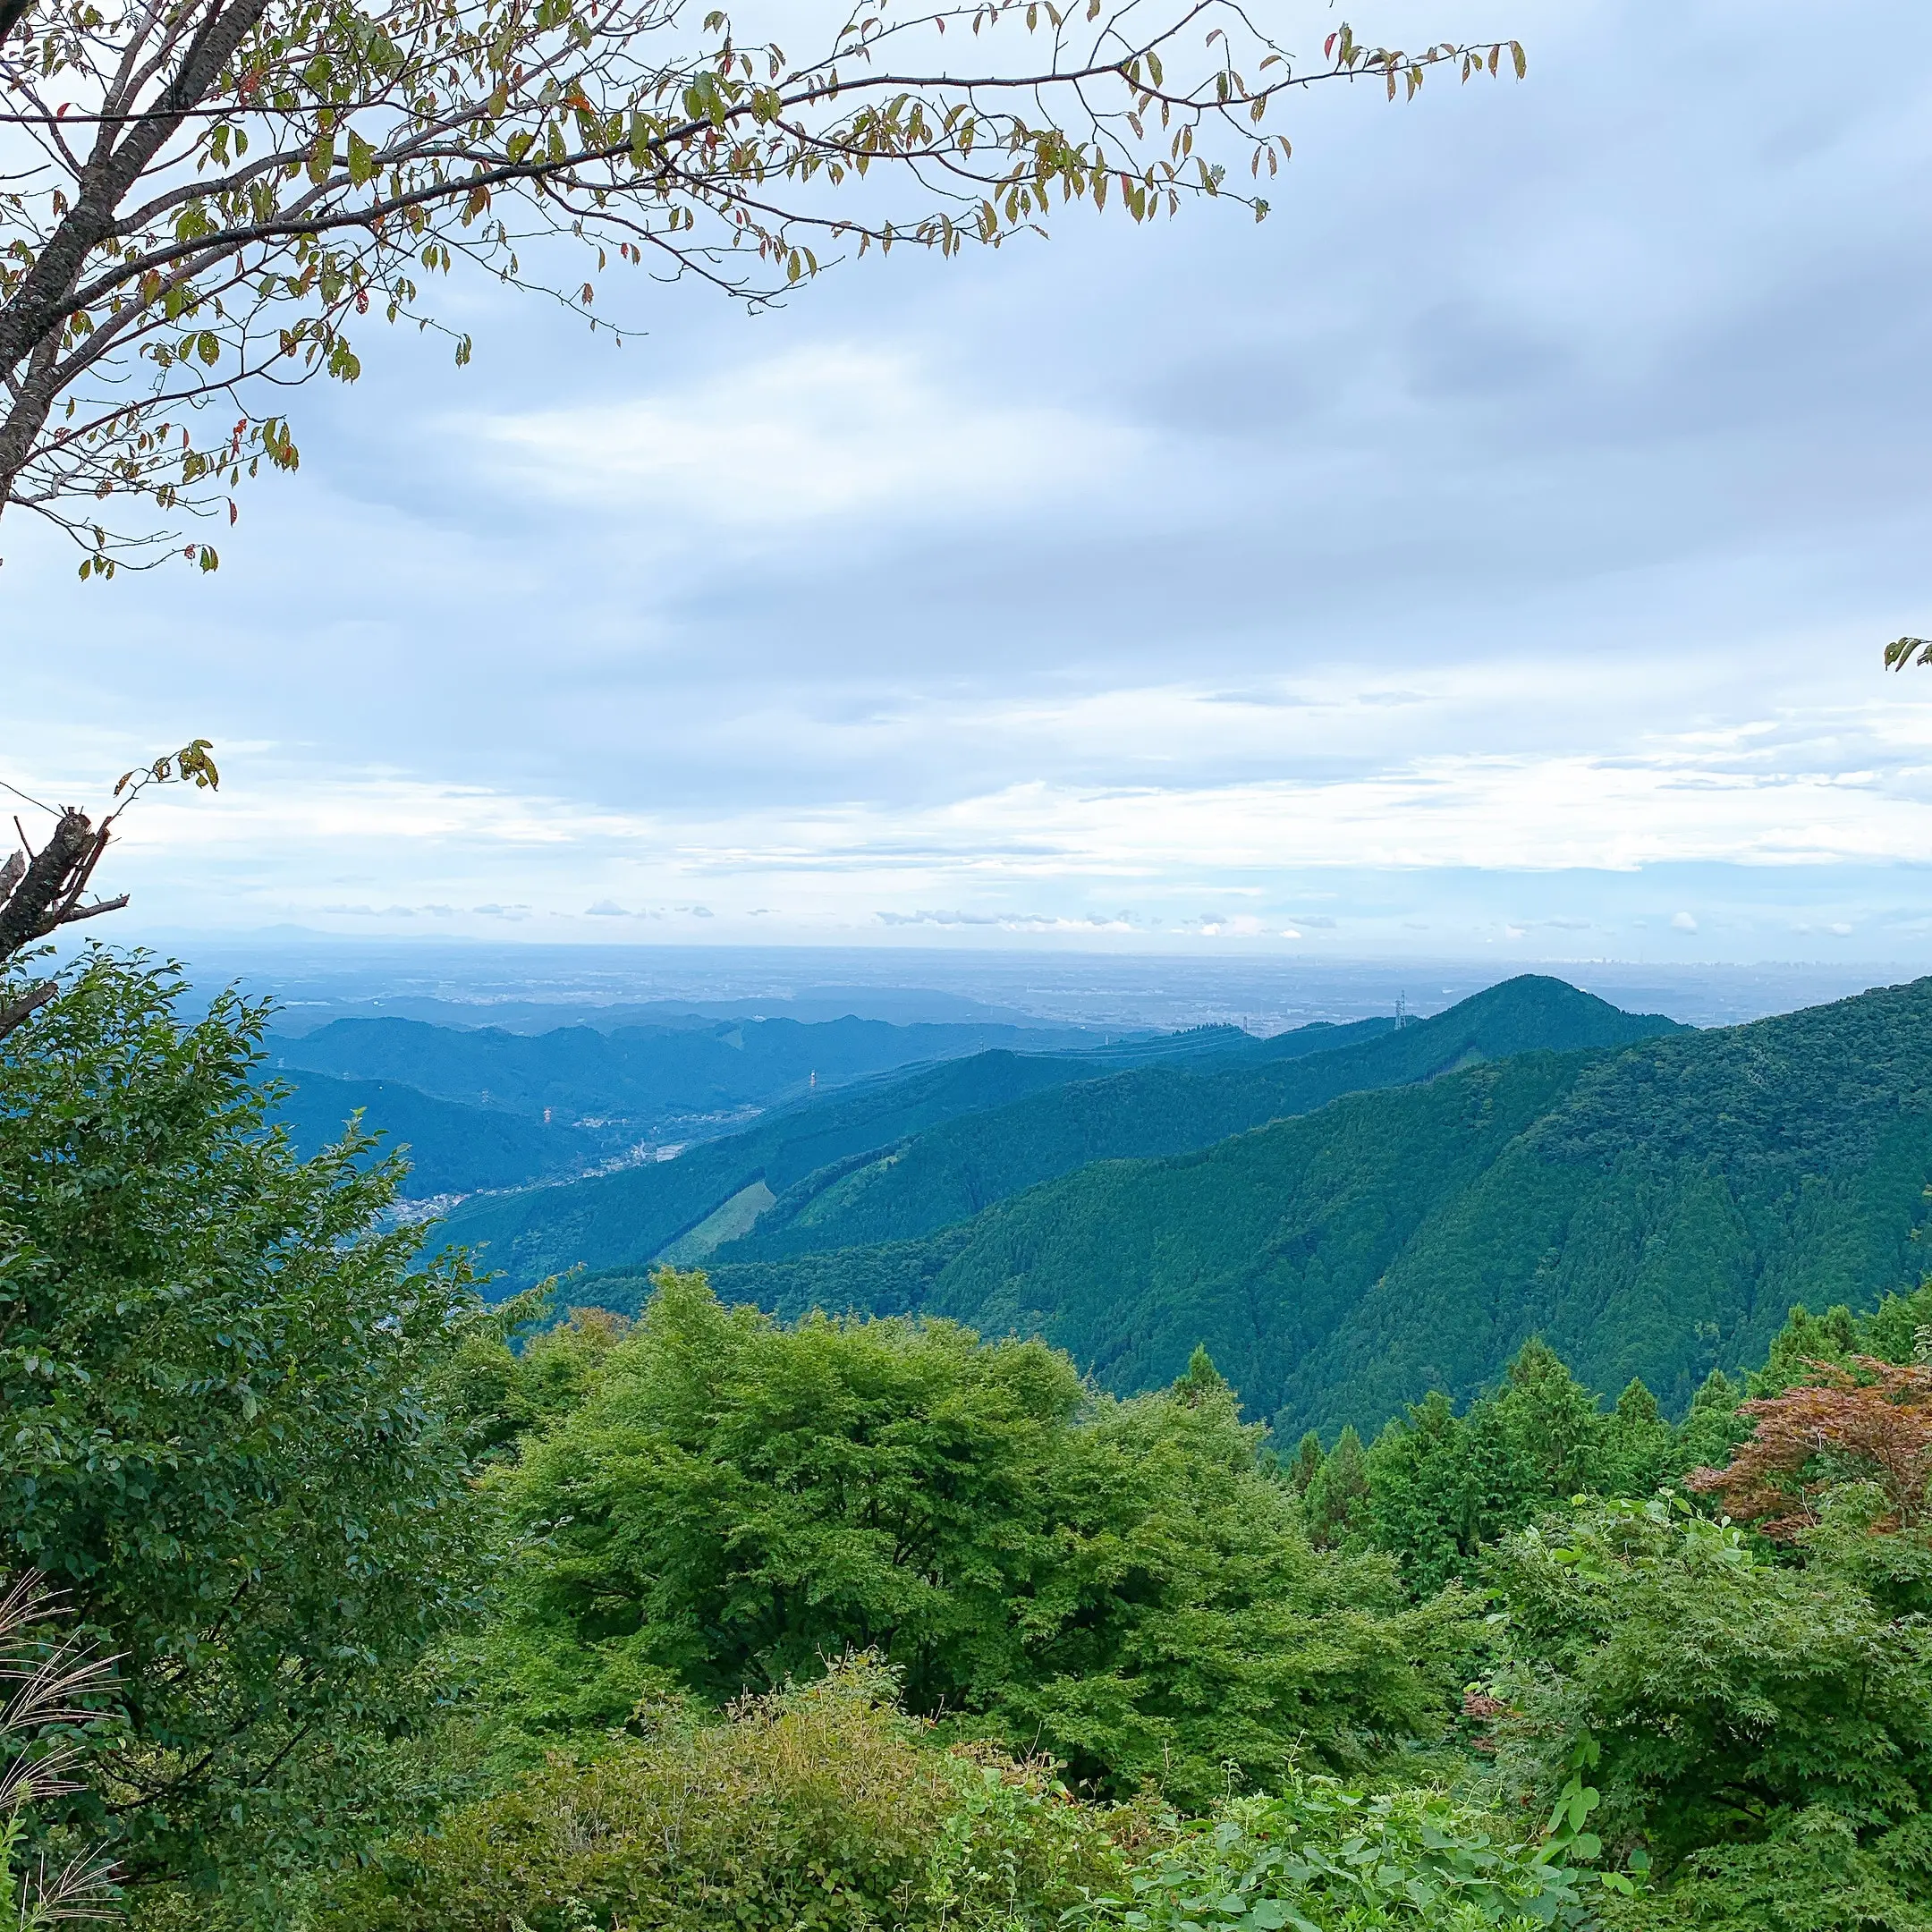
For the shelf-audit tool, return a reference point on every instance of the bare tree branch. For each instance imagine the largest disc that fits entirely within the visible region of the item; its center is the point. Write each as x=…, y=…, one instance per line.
x=30, y=1003
x=40, y=892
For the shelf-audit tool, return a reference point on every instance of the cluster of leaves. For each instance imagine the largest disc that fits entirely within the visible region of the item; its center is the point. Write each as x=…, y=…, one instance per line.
x=205, y=196
x=1320, y=1857
x=1870, y=1423
x=1737, y=1709
x=224, y=1440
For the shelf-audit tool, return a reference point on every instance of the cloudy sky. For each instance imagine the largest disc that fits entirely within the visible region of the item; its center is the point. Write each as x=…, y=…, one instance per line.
x=1489, y=555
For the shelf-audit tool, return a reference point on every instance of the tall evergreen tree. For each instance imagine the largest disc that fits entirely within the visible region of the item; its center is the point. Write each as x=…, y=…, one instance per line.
x=1337, y=1499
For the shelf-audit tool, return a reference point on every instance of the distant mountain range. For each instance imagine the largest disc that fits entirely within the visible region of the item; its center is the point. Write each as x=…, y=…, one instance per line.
x=484, y=1108
x=629, y=1219
x=451, y=1148
x=1653, y=1211
x=901, y=1156
x=1347, y=1216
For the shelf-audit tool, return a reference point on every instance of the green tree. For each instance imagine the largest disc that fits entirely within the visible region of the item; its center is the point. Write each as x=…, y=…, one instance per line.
x=1551, y=1421
x=1713, y=1427
x=222, y=188
x=218, y=1367
x=1307, y=1463
x=1442, y=1487
x=507, y=1392
x=1899, y=1329
x=1194, y=1629
x=1118, y=1583
x=1637, y=1451
x=1804, y=1339
x=1737, y=1710
x=1335, y=1506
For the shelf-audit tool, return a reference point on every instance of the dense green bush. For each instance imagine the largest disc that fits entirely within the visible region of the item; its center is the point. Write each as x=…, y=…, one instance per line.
x=1740, y=1709
x=1119, y=1583
x=816, y=1806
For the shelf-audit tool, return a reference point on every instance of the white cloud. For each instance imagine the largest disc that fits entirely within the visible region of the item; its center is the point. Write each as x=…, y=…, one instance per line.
x=818, y=433
x=1684, y=923
x=1527, y=578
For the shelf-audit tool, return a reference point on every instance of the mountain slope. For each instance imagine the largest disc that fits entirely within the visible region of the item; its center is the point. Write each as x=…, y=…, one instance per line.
x=951, y=1172
x=627, y=1220
x=1652, y=1211
x=451, y=1148
x=881, y=1159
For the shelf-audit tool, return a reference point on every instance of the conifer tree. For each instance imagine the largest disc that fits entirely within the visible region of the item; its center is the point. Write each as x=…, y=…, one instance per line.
x=1307, y=1463
x=1336, y=1503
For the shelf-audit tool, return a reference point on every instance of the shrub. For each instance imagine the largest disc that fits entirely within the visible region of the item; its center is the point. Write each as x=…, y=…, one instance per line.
x=816, y=1806
x=1322, y=1858
x=1738, y=1710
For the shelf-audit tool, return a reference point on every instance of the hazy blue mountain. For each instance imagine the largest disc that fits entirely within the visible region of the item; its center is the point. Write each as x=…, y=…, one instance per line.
x=651, y=1078
x=452, y=1148
x=1653, y=1211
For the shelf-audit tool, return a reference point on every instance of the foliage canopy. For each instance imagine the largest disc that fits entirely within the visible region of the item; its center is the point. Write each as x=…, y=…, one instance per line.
x=1117, y=1582
x=224, y=1440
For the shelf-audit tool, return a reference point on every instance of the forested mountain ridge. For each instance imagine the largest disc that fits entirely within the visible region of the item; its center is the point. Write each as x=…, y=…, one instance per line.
x=1653, y=1212
x=627, y=1219
x=952, y=1171
x=648, y=1074
x=451, y=1148
x=903, y=1156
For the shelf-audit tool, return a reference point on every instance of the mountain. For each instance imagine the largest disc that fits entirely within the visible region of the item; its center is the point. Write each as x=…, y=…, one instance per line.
x=950, y=1172
x=680, y=1076
x=687, y=1206
x=975, y=1130
x=451, y=1148
x=1653, y=1211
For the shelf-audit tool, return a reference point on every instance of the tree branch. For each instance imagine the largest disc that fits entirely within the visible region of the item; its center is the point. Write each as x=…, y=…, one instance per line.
x=29, y=1002
x=48, y=889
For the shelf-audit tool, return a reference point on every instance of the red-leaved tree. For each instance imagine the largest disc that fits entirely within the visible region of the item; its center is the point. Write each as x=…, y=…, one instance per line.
x=1871, y=1423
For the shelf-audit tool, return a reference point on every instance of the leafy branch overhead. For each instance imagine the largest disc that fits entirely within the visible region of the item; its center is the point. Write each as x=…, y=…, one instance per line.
x=203, y=198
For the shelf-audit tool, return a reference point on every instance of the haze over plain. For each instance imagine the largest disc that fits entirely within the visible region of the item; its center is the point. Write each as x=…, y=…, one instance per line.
x=1488, y=555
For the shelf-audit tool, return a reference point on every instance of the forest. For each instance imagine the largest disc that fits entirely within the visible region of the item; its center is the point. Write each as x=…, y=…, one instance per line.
x=344, y=1597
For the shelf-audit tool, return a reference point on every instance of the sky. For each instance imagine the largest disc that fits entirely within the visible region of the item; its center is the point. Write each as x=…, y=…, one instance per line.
x=1488, y=556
